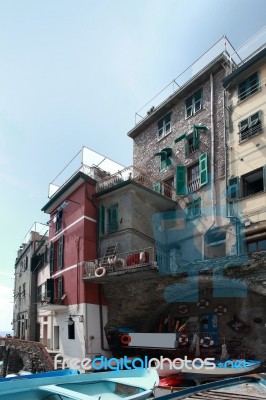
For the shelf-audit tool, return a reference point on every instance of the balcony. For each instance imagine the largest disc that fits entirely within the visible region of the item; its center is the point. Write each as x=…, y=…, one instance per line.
x=47, y=301
x=135, y=175
x=252, y=131
x=132, y=262
x=193, y=184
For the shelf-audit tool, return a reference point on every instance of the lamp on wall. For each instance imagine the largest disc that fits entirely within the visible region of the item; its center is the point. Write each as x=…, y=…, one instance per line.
x=70, y=320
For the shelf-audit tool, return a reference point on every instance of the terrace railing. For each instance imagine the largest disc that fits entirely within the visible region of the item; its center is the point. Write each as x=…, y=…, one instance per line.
x=136, y=175
x=120, y=263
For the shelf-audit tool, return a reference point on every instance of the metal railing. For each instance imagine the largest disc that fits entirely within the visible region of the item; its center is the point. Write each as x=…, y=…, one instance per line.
x=193, y=185
x=250, y=132
x=136, y=175
x=121, y=262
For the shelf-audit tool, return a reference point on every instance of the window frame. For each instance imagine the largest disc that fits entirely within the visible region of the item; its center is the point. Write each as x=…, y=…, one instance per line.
x=59, y=221
x=164, y=126
x=193, y=205
x=247, y=127
x=249, y=87
x=191, y=103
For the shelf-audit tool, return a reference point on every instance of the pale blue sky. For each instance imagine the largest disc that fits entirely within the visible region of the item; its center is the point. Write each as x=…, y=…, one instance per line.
x=73, y=73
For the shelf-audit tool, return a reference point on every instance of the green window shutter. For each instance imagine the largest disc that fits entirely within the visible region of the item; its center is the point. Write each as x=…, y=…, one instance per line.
x=60, y=287
x=181, y=179
x=203, y=169
x=186, y=148
x=102, y=219
x=233, y=189
x=180, y=138
x=113, y=219
x=51, y=257
x=157, y=187
x=163, y=165
x=60, y=252
x=50, y=289
x=195, y=138
x=264, y=178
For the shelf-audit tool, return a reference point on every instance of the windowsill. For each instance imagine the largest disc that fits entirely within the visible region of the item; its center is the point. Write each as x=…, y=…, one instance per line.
x=164, y=136
x=249, y=96
x=197, y=112
x=252, y=195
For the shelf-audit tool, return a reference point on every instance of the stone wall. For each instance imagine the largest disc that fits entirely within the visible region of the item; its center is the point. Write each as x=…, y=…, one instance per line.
x=21, y=354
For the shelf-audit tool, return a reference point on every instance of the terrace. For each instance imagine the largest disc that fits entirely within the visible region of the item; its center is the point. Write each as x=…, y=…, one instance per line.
x=131, y=262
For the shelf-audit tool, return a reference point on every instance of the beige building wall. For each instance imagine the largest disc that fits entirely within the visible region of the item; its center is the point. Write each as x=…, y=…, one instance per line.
x=249, y=154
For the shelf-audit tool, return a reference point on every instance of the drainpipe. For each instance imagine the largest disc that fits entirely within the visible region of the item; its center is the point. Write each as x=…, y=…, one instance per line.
x=213, y=196
x=101, y=317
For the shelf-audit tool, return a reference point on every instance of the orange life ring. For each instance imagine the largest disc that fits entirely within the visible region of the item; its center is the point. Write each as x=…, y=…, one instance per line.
x=100, y=271
x=207, y=341
x=125, y=339
x=183, y=340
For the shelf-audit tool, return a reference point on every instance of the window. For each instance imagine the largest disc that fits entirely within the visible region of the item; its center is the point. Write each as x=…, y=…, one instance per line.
x=71, y=330
x=164, y=125
x=193, y=209
x=192, y=142
x=23, y=294
x=252, y=183
x=248, y=87
x=57, y=255
x=192, y=178
x=256, y=245
x=58, y=222
x=166, y=158
x=194, y=103
x=168, y=187
x=250, y=126
x=112, y=213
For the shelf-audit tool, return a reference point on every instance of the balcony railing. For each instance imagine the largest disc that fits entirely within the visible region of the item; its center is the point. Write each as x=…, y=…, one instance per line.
x=120, y=263
x=51, y=298
x=250, y=132
x=194, y=184
x=136, y=175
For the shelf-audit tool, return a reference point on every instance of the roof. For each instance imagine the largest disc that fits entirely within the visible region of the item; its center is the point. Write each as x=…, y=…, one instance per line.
x=166, y=106
x=71, y=185
x=255, y=61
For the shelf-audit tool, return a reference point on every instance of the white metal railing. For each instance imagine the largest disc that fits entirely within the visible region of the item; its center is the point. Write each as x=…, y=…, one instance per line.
x=193, y=185
x=121, y=262
x=135, y=174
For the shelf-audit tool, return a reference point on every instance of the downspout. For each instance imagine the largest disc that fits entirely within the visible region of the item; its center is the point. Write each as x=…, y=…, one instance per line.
x=213, y=195
x=101, y=317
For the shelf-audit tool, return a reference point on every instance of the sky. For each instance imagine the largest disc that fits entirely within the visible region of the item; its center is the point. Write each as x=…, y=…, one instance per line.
x=73, y=74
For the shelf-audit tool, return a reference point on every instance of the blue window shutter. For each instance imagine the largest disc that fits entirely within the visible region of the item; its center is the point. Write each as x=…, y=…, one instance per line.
x=233, y=189
x=203, y=169
x=51, y=258
x=181, y=179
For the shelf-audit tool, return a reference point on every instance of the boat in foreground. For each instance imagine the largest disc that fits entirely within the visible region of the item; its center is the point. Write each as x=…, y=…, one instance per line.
x=111, y=385
x=249, y=387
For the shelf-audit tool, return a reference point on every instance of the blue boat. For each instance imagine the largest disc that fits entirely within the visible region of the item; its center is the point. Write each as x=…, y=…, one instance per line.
x=137, y=384
x=21, y=375
x=249, y=387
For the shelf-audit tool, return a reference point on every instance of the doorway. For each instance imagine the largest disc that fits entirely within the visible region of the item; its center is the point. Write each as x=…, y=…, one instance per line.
x=56, y=337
